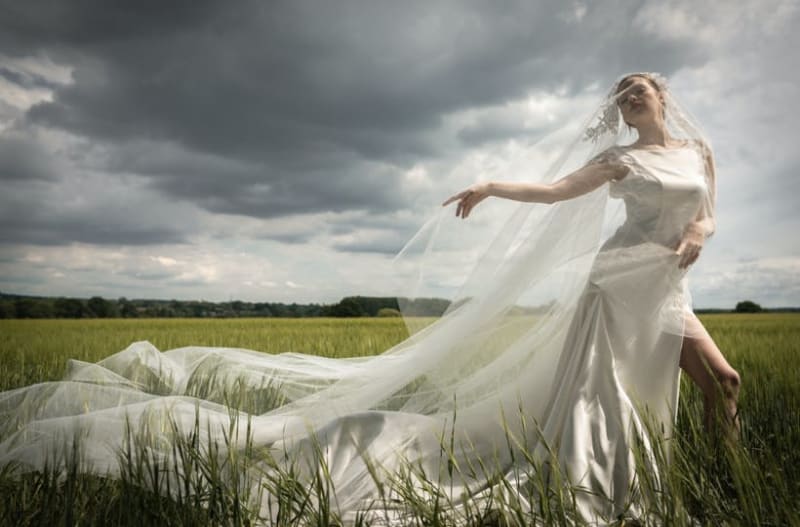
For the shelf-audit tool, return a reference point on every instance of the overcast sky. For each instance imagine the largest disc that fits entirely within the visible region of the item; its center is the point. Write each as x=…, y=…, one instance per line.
x=285, y=151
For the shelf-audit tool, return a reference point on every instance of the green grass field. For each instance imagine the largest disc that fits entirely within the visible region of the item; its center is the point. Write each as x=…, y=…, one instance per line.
x=754, y=483
x=37, y=350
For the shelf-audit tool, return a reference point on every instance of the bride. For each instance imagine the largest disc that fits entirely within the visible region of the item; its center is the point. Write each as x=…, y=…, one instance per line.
x=640, y=99
x=559, y=351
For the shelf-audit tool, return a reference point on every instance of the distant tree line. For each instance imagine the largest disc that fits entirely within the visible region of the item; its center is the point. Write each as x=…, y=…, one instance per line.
x=21, y=306
x=748, y=306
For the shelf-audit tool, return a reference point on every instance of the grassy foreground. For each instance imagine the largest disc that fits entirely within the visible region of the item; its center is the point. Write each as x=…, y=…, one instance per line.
x=754, y=483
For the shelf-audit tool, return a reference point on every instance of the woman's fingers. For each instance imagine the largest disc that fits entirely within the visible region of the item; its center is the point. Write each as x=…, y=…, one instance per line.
x=696, y=255
x=470, y=201
x=465, y=207
x=464, y=204
x=689, y=253
x=681, y=251
x=685, y=256
x=462, y=197
x=454, y=197
x=467, y=200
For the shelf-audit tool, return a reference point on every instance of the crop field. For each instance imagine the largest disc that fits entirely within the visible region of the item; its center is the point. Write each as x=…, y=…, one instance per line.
x=754, y=482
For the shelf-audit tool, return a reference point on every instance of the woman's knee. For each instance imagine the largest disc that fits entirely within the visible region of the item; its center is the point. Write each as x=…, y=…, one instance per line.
x=731, y=379
x=729, y=383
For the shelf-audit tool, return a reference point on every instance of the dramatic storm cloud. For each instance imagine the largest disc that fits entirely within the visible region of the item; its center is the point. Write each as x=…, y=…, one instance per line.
x=287, y=150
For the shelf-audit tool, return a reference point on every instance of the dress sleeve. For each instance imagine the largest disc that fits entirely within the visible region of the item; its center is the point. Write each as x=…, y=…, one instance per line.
x=614, y=155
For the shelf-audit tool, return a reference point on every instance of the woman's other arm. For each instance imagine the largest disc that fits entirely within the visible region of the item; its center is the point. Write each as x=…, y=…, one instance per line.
x=704, y=222
x=697, y=232
x=575, y=184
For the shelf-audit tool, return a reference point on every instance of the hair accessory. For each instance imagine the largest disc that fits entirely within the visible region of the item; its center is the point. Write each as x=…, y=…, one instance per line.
x=609, y=122
x=610, y=116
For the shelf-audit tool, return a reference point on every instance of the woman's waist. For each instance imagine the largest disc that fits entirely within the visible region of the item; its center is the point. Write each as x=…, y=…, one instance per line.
x=637, y=257
x=631, y=236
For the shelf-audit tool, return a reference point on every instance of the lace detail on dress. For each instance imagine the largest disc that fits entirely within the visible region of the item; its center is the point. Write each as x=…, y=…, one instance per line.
x=616, y=156
x=609, y=155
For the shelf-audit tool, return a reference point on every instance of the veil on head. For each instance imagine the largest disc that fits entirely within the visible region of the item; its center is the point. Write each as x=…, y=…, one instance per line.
x=448, y=257
x=513, y=272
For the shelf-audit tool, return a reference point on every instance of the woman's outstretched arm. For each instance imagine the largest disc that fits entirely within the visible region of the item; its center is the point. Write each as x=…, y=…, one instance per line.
x=580, y=182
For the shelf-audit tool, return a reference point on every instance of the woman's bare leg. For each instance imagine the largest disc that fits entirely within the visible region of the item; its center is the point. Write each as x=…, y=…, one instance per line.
x=702, y=360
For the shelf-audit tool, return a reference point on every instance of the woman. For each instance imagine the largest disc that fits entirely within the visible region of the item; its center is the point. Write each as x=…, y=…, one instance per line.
x=632, y=327
x=551, y=340
x=642, y=106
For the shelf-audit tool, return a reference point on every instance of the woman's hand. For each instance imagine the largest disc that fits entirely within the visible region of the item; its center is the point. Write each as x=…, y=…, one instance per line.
x=688, y=247
x=469, y=198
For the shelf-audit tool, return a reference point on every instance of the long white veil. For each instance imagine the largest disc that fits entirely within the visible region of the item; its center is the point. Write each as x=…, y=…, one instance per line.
x=512, y=303
x=494, y=354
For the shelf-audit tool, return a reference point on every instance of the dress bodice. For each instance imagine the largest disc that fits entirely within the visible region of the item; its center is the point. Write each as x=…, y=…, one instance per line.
x=663, y=191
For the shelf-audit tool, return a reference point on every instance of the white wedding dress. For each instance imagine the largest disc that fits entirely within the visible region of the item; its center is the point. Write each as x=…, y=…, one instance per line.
x=626, y=337
x=584, y=374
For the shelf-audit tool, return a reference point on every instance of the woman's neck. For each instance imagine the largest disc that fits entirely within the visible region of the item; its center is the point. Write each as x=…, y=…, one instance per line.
x=654, y=134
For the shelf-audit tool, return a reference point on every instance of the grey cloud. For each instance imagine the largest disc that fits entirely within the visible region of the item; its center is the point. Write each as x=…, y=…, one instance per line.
x=768, y=191
x=30, y=26
x=149, y=275
x=482, y=133
x=393, y=229
x=278, y=109
x=388, y=246
x=386, y=222
x=54, y=229
x=20, y=279
x=24, y=159
x=284, y=110
x=26, y=79
x=240, y=187
x=44, y=214
x=8, y=112
x=288, y=237
x=498, y=127
x=292, y=77
x=754, y=280
x=378, y=233
x=782, y=181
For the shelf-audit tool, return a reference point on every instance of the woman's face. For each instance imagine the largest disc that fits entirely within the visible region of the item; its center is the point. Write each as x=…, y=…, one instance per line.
x=639, y=101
